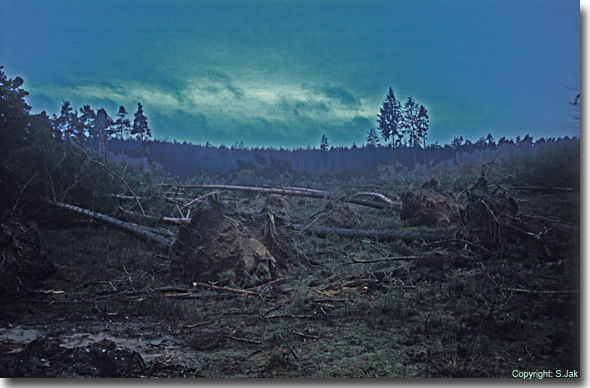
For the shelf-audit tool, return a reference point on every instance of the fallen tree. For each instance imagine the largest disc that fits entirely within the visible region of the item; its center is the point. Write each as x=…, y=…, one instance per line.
x=380, y=235
x=385, y=204
x=142, y=232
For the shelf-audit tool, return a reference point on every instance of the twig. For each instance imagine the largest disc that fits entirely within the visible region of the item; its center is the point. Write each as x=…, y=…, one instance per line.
x=198, y=324
x=116, y=176
x=217, y=288
x=243, y=339
x=290, y=316
x=326, y=315
x=398, y=258
x=523, y=290
x=304, y=335
x=264, y=285
x=201, y=197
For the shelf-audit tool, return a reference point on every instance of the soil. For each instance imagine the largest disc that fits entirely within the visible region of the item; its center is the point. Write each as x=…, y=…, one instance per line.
x=429, y=206
x=119, y=307
x=220, y=246
x=94, y=347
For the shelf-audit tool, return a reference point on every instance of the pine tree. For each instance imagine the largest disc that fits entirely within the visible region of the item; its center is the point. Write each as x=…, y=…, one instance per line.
x=102, y=125
x=88, y=115
x=423, y=124
x=389, y=119
x=410, y=121
x=70, y=125
x=122, y=126
x=324, y=145
x=14, y=113
x=372, y=138
x=141, y=130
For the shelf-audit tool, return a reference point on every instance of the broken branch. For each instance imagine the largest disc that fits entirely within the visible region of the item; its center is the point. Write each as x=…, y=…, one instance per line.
x=217, y=288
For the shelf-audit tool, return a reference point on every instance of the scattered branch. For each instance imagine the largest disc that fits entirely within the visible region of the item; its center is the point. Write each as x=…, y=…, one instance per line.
x=116, y=176
x=217, y=288
x=354, y=261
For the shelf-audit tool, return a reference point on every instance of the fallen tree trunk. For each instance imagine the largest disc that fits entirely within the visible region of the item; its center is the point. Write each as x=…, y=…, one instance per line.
x=302, y=193
x=542, y=188
x=175, y=221
x=176, y=200
x=142, y=232
x=381, y=235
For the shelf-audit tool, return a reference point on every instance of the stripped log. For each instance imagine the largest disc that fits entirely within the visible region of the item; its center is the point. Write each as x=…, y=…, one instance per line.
x=142, y=232
x=381, y=197
x=301, y=193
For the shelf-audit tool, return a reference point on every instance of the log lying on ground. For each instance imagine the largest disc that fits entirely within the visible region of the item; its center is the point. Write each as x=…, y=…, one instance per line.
x=142, y=232
x=176, y=200
x=542, y=188
x=303, y=193
x=381, y=235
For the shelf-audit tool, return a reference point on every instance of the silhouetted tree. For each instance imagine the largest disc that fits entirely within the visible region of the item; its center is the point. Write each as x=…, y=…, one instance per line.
x=324, y=145
x=122, y=125
x=69, y=124
x=141, y=130
x=389, y=119
x=423, y=124
x=372, y=138
x=14, y=113
x=87, y=116
x=576, y=107
x=102, y=127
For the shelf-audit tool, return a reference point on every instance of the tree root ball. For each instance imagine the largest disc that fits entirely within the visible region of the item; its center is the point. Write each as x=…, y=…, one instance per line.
x=222, y=247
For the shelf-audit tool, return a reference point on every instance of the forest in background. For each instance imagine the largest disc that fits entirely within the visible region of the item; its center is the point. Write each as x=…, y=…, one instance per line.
x=56, y=157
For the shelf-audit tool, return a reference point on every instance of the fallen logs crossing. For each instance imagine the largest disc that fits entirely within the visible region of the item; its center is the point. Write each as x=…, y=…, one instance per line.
x=166, y=238
x=385, y=203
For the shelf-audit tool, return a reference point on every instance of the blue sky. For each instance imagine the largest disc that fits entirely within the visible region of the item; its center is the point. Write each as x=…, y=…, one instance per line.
x=283, y=73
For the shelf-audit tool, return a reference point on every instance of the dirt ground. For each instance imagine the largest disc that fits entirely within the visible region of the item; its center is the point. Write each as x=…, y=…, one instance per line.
x=452, y=309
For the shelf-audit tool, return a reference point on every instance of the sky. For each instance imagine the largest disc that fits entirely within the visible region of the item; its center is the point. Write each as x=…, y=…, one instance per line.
x=283, y=73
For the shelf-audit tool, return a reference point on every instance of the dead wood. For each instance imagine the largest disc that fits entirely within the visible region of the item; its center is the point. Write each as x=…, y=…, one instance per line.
x=228, y=289
x=542, y=188
x=381, y=235
x=116, y=176
x=142, y=232
x=354, y=261
x=381, y=197
x=526, y=291
x=175, y=221
x=297, y=192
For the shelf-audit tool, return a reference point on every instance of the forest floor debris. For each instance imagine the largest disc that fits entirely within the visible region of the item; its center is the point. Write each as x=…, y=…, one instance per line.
x=442, y=308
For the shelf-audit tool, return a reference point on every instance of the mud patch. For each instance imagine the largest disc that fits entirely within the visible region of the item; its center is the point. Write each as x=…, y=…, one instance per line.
x=100, y=349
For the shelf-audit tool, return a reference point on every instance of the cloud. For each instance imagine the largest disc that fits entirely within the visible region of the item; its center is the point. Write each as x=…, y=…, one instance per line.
x=219, y=109
x=340, y=94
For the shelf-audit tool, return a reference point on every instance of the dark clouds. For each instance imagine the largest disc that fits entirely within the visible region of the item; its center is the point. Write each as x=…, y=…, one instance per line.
x=284, y=73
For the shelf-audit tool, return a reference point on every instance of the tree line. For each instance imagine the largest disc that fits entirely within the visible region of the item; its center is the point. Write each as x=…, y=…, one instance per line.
x=403, y=129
